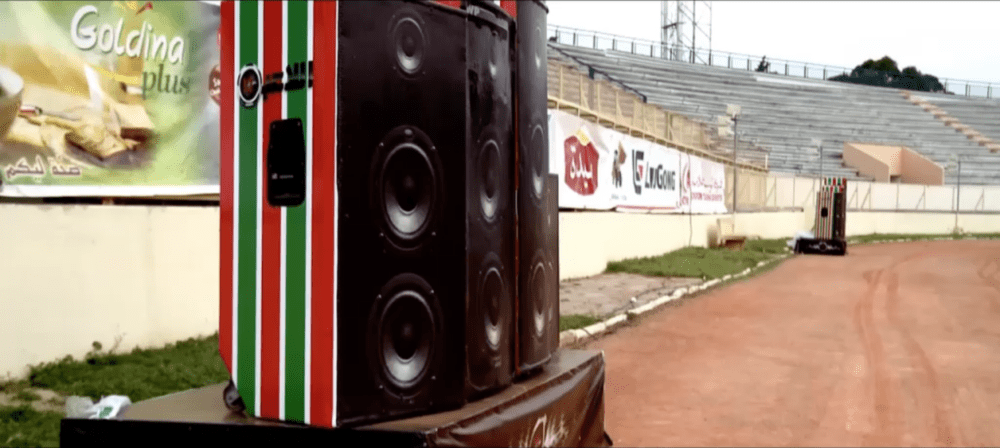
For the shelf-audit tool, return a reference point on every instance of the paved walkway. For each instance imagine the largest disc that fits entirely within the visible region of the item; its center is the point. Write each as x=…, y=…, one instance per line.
x=894, y=344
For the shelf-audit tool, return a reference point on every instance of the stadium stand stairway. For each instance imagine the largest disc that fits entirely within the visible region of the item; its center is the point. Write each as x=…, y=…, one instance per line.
x=785, y=113
x=977, y=119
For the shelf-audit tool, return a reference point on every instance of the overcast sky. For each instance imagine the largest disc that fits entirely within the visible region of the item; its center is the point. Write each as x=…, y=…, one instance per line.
x=948, y=39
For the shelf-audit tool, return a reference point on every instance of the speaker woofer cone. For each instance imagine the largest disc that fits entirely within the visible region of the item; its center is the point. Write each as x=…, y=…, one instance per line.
x=537, y=159
x=490, y=185
x=537, y=291
x=407, y=186
x=491, y=297
x=406, y=333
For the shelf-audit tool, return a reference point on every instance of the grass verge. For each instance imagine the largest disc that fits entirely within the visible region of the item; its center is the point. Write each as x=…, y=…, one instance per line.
x=139, y=375
x=574, y=321
x=700, y=262
x=24, y=426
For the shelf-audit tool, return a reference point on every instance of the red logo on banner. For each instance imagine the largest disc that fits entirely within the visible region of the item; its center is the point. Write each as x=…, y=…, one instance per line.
x=215, y=84
x=581, y=165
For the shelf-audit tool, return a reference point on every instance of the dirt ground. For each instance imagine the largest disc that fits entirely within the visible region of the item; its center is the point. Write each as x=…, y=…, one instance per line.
x=610, y=293
x=892, y=345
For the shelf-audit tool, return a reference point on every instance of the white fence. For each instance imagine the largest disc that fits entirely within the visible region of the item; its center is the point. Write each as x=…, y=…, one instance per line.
x=794, y=192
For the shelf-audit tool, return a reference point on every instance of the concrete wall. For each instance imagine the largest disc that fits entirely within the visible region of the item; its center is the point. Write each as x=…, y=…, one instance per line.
x=871, y=164
x=917, y=169
x=72, y=275
x=148, y=275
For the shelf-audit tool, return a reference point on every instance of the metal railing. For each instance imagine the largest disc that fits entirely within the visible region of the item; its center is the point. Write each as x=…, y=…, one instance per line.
x=604, y=41
x=607, y=104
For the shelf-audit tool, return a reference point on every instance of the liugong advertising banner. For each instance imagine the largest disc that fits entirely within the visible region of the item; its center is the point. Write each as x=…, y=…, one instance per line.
x=604, y=169
x=109, y=98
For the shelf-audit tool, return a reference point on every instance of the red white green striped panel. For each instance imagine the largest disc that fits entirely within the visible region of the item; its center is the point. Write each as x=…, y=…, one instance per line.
x=834, y=183
x=277, y=318
x=824, y=226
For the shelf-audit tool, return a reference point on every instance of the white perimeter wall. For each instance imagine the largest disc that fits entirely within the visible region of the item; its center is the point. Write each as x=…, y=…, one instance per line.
x=71, y=275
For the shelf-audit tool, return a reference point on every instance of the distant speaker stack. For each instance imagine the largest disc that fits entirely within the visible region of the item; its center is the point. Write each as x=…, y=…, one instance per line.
x=394, y=250
x=831, y=220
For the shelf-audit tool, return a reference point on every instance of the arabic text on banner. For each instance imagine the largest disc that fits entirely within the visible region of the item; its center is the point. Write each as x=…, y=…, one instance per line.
x=603, y=169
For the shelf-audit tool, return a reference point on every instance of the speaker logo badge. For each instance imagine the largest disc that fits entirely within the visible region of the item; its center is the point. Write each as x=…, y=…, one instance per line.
x=250, y=85
x=545, y=433
x=253, y=84
x=581, y=160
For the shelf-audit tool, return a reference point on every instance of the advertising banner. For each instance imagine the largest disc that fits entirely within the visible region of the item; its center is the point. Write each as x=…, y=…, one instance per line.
x=109, y=98
x=603, y=169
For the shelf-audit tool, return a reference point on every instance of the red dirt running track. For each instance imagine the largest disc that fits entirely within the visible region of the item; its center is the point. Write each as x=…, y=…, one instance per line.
x=894, y=344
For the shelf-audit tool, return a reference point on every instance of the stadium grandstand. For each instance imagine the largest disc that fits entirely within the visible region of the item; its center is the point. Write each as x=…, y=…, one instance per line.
x=783, y=115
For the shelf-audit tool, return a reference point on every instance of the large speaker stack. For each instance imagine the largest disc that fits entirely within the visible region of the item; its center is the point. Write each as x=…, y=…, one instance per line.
x=831, y=220
x=537, y=304
x=407, y=178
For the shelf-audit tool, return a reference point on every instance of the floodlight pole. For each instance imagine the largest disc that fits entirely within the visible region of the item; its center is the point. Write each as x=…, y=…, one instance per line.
x=958, y=193
x=735, y=167
x=821, y=162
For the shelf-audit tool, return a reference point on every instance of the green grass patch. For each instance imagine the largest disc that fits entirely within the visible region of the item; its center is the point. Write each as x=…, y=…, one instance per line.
x=139, y=375
x=697, y=262
x=27, y=395
x=775, y=246
x=574, y=321
x=24, y=426
x=862, y=239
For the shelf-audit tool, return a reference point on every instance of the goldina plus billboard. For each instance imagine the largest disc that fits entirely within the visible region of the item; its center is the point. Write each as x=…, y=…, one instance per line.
x=109, y=98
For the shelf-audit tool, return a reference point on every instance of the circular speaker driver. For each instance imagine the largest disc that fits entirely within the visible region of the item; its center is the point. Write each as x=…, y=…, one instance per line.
x=406, y=334
x=538, y=145
x=536, y=286
x=409, y=43
x=490, y=185
x=491, y=296
x=407, y=186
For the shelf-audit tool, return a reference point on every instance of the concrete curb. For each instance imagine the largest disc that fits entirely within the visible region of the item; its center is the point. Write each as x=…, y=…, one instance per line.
x=906, y=240
x=570, y=337
x=575, y=336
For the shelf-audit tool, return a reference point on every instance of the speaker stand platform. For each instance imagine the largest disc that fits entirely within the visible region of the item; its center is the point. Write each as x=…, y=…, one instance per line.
x=563, y=405
x=820, y=246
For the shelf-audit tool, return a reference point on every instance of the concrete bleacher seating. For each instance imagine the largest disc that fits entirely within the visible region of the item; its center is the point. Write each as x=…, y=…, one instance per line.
x=785, y=113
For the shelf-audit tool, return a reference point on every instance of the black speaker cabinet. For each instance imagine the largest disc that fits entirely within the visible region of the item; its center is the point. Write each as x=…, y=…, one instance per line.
x=840, y=215
x=534, y=309
x=490, y=203
x=401, y=171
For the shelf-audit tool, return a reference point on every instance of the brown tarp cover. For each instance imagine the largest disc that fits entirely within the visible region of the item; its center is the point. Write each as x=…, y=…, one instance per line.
x=563, y=405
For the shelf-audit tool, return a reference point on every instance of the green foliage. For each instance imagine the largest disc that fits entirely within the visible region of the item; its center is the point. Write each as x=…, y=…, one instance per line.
x=574, y=321
x=696, y=262
x=24, y=426
x=775, y=246
x=27, y=395
x=885, y=73
x=140, y=375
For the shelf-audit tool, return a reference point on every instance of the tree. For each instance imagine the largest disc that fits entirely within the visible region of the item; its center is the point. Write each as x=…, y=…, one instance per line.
x=885, y=73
